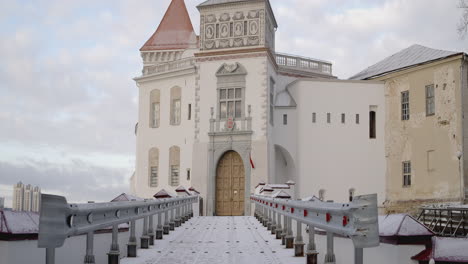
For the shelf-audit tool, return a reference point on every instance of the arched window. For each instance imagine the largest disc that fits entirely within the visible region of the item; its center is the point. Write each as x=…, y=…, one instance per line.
x=174, y=166
x=155, y=108
x=176, y=104
x=153, y=167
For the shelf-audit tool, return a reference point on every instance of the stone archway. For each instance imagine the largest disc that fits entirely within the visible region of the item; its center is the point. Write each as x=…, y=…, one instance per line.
x=230, y=185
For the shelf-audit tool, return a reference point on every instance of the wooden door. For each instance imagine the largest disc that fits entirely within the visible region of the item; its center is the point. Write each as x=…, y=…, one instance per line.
x=230, y=185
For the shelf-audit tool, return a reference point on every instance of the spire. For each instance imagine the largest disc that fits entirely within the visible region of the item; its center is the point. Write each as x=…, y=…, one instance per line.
x=175, y=30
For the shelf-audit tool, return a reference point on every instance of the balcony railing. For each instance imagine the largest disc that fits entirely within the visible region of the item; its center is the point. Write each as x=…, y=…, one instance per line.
x=60, y=220
x=303, y=64
x=169, y=66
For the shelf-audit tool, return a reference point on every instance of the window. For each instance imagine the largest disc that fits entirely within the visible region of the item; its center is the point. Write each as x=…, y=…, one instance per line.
x=189, y=112
x=174, y=166
x=230, y=103
x=188, y=174
x=357, y=118
x=176, y=95
x=343, y=118
x=405, y=110
x=407, y=174
x=155, y=110
x=314, y=117
x=272, y=101
x=372, y=128
x=154, y=177
x=153, y=165
x=430, y=100
x=174, y=175
x=285, y=119
x=328, y=118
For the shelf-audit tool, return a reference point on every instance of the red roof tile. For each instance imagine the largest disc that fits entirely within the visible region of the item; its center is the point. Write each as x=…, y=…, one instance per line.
x=175, y=30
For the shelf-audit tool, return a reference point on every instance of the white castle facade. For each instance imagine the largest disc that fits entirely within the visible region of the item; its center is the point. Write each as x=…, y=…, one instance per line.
x=223, y=111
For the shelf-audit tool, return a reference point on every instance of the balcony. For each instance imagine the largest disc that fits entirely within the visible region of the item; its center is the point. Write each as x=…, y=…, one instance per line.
x=296, y=64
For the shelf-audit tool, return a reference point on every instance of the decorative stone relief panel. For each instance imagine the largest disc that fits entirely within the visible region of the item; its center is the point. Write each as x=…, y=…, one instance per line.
x=238, y=29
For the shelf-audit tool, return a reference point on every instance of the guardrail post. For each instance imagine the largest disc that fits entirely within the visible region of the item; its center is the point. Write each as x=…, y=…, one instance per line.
x=50, y=255
x=278, y=227
x=330, y=256
x=114, y=253
x=132, y=244
x=311, y=247
x=159, y=227
x=89, y=258
x=269, y=211
x=285, y=230
x=144, y=240
x=289, y=235
x=166, y=222
x=151, y=230
x=273, y=223
x=358, y=255
x=177, y=216
x=299, y=243
x=172, y=222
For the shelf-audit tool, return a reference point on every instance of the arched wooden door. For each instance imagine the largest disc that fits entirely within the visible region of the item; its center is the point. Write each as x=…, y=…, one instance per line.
x=230, y=185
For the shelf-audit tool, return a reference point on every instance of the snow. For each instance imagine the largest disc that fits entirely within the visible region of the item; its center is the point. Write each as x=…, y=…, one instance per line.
x=218, y=240
x=450, y=249
x=14, y=222
x=281, y=194
x=402, y=225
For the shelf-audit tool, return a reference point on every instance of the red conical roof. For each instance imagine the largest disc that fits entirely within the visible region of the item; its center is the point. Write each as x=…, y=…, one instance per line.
x=175, y=30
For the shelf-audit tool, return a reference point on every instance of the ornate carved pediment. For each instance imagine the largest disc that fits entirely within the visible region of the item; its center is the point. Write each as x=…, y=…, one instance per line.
x=231, y=69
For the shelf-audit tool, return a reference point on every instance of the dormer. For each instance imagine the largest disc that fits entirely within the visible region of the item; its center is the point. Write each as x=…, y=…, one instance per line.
x=236, y=24
x=174, y=36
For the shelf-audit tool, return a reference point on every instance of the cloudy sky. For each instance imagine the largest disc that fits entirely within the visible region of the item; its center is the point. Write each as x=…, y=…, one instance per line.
x=68, y=105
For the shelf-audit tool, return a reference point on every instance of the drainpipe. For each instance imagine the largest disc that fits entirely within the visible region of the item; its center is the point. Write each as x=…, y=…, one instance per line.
x=463, y=84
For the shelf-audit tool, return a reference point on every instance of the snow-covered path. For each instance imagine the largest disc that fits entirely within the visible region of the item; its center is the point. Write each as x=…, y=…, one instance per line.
x=217, y=240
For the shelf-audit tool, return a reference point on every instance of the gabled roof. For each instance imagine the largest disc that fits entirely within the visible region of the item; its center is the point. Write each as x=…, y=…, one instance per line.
x=162, y=194
x=282, y=195
x=412, y=56
x=402, y=225
x=175, y=30
x=126, y=197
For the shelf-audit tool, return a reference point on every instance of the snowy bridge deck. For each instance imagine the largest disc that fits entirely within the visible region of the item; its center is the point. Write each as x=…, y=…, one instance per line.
x=214, y=240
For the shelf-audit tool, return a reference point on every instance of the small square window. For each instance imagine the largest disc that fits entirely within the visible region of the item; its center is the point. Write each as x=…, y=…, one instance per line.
x=357, y=119
x=188, y=175
x=285, y=119
x=343, y=118
x=314, y=117
x=328, y=118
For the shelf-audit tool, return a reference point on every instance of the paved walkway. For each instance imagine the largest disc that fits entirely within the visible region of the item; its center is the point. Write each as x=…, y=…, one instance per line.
x=217, y=240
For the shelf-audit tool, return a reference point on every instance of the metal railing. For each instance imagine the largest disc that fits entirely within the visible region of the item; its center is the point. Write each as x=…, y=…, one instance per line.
x=448, y=222
x=357, y=220
x=60, y=220
x=303, y=64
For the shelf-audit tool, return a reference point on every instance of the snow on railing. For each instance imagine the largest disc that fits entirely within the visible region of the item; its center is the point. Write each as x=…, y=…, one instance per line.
x=357, y=220
x=60, y=220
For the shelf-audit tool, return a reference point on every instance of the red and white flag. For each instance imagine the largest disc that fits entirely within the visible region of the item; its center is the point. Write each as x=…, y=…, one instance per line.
x=251, y=162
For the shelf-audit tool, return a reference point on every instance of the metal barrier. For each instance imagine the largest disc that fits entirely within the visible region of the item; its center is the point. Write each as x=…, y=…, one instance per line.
x=60, y=220
x=357, y=220
x=447, y=222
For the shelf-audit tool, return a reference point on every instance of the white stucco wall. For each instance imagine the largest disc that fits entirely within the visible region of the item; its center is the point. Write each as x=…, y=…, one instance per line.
x=166, y=135
x=335, y=156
